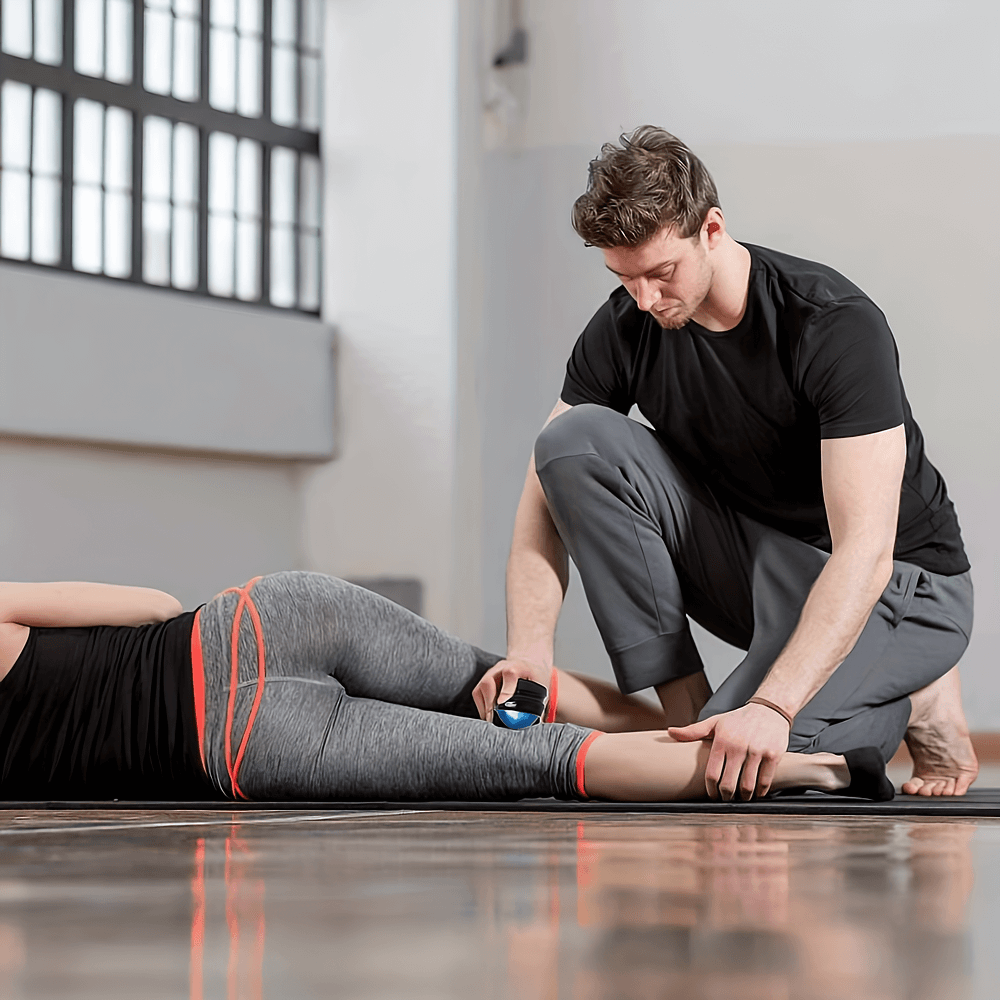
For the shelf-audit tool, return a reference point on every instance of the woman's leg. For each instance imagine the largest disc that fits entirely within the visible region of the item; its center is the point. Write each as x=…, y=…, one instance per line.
x=318, y=626
x=591, y=702
x=651, y=767
x=315, y=742
x=345, y=674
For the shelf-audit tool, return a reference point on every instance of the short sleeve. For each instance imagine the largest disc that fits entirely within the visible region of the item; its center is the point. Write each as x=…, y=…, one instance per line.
x=596, y=371
x=850, y=371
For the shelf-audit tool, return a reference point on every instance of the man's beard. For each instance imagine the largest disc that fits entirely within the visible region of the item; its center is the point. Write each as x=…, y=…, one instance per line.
x=675, y=319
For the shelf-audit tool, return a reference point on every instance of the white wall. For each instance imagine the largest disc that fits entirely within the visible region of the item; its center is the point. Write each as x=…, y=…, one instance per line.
x=188, y=524
x=865, y=135
x=390, y=146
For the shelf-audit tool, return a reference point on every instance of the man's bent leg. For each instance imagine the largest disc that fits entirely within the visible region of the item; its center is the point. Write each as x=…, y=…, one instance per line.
x=916, y=631
x=649, y=543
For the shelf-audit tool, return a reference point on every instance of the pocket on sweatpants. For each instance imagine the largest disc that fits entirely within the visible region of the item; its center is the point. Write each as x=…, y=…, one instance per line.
x=898, y=595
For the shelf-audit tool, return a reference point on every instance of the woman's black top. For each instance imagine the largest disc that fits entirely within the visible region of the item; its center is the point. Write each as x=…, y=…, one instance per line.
x=102, y=713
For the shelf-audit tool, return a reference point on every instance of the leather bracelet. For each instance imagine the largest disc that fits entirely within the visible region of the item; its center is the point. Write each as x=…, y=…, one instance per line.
x=755, y=700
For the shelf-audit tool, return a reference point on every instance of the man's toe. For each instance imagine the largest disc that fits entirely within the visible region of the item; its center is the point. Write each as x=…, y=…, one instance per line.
x=962, y=783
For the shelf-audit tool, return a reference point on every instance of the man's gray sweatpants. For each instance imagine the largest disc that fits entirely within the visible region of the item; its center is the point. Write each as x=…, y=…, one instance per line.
x=654, y=546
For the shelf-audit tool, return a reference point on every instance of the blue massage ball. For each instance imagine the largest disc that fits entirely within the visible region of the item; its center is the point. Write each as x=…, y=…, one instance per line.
x=523, y=708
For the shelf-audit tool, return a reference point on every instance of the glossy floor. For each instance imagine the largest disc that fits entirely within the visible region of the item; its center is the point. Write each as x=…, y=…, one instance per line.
x=440, y=905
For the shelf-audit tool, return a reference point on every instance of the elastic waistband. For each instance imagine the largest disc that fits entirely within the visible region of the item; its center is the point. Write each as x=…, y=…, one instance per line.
x=214, y=617
x=198, y=681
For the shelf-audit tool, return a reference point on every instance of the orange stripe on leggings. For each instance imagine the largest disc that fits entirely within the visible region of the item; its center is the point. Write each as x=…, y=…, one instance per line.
x=581, y=756
x=245, y=603
x=550, y=715
x=198, y=681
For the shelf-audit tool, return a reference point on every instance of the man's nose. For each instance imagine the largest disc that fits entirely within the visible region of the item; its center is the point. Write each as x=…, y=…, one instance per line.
x=646, y=294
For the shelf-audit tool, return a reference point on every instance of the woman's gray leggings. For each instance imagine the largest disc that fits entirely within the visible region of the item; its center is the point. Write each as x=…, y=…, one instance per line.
x=359, y=699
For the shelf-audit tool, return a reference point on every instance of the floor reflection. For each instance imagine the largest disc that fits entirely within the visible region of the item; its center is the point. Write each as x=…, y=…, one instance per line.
x=769, y=910
x=536, y=907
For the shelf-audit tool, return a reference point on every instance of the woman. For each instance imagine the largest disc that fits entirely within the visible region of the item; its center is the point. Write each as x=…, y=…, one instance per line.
x=302, y=686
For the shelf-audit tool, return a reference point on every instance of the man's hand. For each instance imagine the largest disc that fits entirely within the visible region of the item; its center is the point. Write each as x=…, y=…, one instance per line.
x=499, y=681
x=746, y=747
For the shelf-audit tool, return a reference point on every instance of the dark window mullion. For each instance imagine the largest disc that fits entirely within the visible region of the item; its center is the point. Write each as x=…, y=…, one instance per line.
x=138, y=133
x=265, y=60
x=138, y=140
x=31, y=159
x=265, y=224
x=235, y=212
x=297, y=228
x=104, y=40
x=204, y=33
x=68, y=113
x=170, y=205
x=299, y=81
x=173, y=42
x=203, y=211
x=204, y=39
x=102, y=182
x=138, y=44
x=267, y=36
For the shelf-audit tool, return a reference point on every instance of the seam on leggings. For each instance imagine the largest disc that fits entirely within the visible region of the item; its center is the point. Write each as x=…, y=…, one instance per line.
x=327, y=731
x=283, y=680
x=581, y=757
x=245, y=603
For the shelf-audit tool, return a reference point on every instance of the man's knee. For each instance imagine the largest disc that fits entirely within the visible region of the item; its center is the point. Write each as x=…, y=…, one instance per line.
x=586, y=429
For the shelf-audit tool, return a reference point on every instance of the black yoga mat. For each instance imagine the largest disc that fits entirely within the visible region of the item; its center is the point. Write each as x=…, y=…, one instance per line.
x=978, y=802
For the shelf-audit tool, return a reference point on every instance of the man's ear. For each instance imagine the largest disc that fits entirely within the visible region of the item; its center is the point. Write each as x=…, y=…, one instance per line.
x=714, y=227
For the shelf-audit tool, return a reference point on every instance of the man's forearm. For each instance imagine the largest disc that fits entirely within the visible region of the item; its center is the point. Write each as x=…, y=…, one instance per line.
x=537, y=576
x=834, y=615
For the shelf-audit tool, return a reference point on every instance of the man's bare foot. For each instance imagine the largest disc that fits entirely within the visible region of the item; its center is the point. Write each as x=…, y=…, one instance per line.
x=944, y=762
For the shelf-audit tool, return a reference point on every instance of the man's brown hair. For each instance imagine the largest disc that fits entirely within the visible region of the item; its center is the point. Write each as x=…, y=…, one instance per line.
x=651, y=180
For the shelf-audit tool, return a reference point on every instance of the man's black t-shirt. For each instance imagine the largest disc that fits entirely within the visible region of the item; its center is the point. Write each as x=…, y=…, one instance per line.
x=745, y=409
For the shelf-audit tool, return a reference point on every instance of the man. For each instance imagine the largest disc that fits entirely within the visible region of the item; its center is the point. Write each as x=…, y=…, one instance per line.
x=782, y=499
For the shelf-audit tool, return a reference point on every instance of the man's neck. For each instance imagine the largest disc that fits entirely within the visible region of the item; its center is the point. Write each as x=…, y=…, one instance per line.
x=726, y=301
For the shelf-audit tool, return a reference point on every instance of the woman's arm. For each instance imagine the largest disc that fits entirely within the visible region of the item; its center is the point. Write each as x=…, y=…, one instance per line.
x=65, y=605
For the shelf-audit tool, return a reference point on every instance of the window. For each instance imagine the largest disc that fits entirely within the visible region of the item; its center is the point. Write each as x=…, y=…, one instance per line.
x=167, y=142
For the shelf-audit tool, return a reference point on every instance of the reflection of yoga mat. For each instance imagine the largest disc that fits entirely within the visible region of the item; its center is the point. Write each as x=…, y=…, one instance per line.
x=978, y=802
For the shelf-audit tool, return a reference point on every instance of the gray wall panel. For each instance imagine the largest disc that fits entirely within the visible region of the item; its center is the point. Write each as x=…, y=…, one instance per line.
x=92, y=360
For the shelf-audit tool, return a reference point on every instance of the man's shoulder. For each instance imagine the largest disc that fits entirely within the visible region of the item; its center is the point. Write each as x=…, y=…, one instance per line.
x=808, y=281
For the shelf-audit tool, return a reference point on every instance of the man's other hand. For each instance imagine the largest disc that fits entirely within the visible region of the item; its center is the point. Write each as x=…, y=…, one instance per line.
x=499, y=681
x=746, y=747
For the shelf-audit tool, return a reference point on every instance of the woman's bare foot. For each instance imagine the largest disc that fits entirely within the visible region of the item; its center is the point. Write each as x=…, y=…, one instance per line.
x=944, y=762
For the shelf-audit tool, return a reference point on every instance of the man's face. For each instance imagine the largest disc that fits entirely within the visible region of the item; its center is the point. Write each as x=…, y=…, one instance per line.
x=668, y=276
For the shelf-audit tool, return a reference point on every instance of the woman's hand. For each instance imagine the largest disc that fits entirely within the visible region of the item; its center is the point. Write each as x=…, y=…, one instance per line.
x=499, y=681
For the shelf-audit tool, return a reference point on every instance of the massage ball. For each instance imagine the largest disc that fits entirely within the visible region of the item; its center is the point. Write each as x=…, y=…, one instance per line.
x=524, y=708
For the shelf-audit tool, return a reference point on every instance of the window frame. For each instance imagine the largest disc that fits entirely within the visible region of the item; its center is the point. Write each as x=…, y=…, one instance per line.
x=133, y=97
